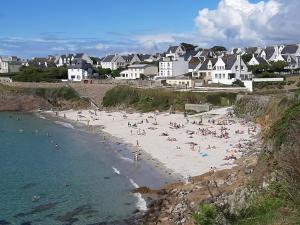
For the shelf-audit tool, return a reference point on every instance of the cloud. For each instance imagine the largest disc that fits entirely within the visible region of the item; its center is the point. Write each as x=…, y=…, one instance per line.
x=240, y=22
x=101, y=46
x=161, y=41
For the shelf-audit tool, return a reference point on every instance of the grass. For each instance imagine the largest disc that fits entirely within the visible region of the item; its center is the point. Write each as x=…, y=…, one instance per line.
x=160, y=99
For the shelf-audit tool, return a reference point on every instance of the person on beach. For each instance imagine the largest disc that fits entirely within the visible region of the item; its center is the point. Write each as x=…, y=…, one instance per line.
x=137, y=143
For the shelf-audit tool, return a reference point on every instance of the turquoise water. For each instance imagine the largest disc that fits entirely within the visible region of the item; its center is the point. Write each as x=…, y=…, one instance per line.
x=73, y=183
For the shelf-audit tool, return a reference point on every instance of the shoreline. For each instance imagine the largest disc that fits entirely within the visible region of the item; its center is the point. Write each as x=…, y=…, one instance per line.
x=182, y=153
x=145, y=158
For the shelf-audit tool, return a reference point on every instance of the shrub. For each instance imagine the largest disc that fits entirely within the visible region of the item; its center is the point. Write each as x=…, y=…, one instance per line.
x=206, y=215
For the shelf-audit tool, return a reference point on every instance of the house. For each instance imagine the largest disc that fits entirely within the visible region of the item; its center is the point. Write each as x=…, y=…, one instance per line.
x=257, y=60
x=175, y=52
x=272, y=53
x=171, y=68
x=137, y=71
x=206, y=69
x=291, y=54
x=229, y=69
x=84, y=57
x=181, y=81
x=41, y=63
x=10, y=64
x=206, y=53
x=64, y=60
x=147, y=58
x=113, y=62
x=293, y=62
x=79, y=70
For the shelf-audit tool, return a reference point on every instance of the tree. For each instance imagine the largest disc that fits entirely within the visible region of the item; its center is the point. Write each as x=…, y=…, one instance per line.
x=116, y=73
x=246, y=57
x=278, y=66
x=258, y=69
x=218, y=48
x=188, y=47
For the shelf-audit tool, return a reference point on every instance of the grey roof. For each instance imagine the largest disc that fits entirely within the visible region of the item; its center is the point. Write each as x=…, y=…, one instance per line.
x=293, y=61
x=188, y=54
x=229, y=61
x=108, y=58
x=205, y=63
x=269, y=51
x=261, y=60
x=290, y=49
x=143, y=57
x=172, y=49
x=79, y=55
x=194, y=62
x=207, y=53
x=251, y=50
x=80, y=64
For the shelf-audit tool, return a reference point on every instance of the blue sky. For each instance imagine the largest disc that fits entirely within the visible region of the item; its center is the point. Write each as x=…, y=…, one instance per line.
x=38, y=28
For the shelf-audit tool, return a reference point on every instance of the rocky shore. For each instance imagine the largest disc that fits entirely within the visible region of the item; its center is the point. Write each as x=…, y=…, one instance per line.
x=176, y=203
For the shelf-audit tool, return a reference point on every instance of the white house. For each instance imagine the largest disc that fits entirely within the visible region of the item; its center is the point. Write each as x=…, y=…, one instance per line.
x=113, y=62
x=257, y=60
x=230, y=68
x=175, y=52
x=64, y=60
x=10, y=64
x=172, y=68
x=137, y=70
x=79, y=70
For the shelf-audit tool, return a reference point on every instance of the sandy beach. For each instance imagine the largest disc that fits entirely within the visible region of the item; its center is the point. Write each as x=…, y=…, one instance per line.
x=187, y=145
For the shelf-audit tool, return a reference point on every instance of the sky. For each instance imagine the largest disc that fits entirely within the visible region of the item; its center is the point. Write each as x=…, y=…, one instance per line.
x=100, y=27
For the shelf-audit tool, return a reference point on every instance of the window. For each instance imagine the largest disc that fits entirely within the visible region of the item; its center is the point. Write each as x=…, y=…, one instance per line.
x=236, y=67
x=223, y=76
x=219, y=76
x=216, y=76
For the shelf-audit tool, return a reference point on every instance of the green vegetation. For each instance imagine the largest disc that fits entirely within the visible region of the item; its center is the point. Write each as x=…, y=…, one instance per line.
x=64, y=93
x=188, y=47
x=273, y=206
x=238, y=83
x=206, y=215
x=161, y=99
x=269, y=71
x=246, y=57
x=35, y=74
x=103, y=72
x=218, y=48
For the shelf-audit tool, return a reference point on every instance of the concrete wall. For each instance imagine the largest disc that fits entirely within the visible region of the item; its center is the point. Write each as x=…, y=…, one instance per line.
x=268, y=79
x=198, y=107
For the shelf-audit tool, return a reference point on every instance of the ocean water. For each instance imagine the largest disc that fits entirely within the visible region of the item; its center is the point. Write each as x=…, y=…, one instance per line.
x=52, y=173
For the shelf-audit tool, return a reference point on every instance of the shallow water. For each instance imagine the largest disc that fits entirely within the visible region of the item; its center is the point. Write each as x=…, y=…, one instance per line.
x=82, y=180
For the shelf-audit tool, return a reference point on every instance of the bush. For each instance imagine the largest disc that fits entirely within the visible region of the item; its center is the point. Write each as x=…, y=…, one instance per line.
x=206, y=215
x=238, y=83
x=160, y=99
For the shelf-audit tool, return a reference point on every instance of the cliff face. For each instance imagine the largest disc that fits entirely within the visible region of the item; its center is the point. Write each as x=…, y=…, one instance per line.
x=27, y=99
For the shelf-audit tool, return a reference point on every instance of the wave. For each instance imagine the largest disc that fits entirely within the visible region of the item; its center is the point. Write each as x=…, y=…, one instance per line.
x=42, y=117
x=116, y=170
x=127, y=159
x=141, y=203
x=67, y=125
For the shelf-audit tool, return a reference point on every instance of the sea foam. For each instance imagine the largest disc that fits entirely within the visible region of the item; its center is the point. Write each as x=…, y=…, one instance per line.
x=67, y=125
x=116, y=170
x=141, y=203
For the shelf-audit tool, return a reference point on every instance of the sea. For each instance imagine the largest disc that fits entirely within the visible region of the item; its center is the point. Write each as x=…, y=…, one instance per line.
x=52, y=172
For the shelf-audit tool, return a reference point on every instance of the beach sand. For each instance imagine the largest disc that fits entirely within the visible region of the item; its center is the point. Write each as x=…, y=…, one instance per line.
x=188, y=146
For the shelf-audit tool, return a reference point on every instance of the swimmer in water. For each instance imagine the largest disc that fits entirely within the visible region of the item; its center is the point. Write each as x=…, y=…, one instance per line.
x=20, y=131
x=56, y=146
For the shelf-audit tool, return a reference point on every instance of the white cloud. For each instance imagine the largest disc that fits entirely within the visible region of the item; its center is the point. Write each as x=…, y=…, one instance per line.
x=157, y=42
x=101, y=46
x=240, y=22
